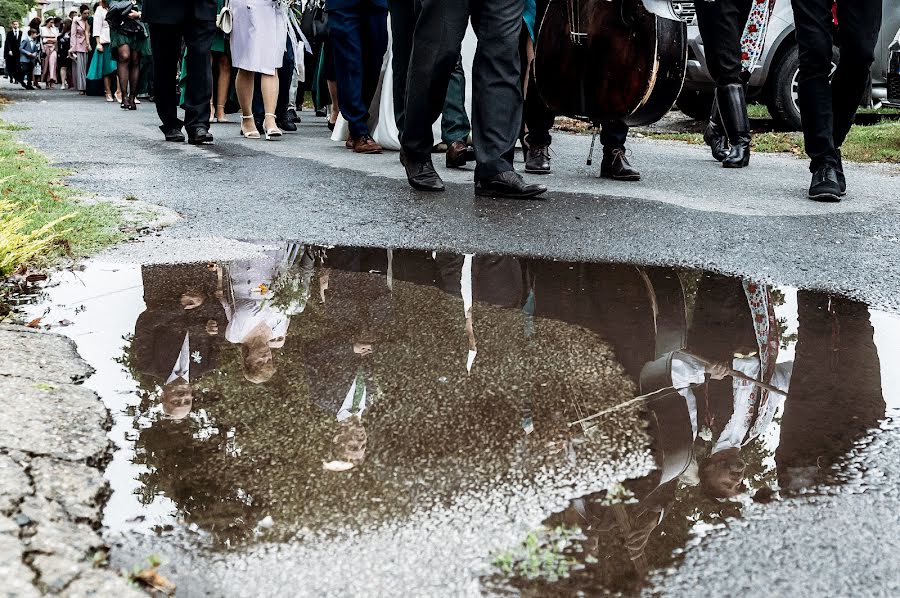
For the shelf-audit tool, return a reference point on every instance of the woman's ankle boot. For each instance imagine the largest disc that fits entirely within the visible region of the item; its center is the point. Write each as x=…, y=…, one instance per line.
x=714, y=135
x=733, y=107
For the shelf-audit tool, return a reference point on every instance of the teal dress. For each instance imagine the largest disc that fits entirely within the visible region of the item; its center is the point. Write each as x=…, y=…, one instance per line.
x=137, y=43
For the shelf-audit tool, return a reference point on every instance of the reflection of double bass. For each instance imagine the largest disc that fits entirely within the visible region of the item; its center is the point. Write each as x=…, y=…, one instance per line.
x=610, y=59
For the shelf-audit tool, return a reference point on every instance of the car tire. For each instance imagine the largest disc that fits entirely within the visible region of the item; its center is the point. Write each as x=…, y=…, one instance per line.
x=782, y=102
x=695, y=104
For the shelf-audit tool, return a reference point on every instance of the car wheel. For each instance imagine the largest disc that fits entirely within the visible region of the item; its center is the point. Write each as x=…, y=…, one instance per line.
x=695, y=104
x=783, y=96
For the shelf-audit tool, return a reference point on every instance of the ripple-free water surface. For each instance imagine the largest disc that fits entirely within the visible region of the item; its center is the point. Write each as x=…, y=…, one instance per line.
x=363, y=421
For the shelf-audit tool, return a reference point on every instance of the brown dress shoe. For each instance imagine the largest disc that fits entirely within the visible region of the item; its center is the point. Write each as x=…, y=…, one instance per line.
x=458, y=153
x=350, y=142
x=366, y=145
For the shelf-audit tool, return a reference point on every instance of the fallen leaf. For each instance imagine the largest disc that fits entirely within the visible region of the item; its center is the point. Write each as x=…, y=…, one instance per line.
x=34, y=323
x=152, y=578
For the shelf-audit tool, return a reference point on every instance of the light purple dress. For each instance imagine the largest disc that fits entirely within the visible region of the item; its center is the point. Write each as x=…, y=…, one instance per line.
x=258, y=36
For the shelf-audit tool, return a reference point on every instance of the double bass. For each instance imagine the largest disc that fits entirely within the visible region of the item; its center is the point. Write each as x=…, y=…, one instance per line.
x=610, y=59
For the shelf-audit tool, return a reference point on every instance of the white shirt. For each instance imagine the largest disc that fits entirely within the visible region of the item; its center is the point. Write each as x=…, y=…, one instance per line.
x=182, y=367
x=347, y=408
x=687, y=371
x=103, y=31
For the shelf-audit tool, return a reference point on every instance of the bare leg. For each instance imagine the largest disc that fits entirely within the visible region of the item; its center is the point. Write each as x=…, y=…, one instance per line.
x=222, y=87
x=107, y=85
x=269, y=86
x=335, y=109
x=244, y=85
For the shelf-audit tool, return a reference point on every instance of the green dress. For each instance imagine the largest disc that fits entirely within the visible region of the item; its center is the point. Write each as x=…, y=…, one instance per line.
x=219, y=44
x=137, y=43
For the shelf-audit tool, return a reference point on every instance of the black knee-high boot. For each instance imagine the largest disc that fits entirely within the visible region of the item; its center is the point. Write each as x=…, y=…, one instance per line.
x=714, y=135
x=733, y=108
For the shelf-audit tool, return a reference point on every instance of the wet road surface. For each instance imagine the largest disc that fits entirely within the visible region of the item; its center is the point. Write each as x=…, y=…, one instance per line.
x=356, y=421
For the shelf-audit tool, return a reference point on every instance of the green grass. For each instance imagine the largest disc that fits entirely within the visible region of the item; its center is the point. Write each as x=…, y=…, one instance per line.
x=40, y=218
x=874, y=143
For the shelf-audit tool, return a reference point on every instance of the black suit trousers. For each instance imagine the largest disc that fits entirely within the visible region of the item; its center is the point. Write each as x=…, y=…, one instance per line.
x=496, y=77
x=165, y=41
x=828, y=109
x=722, y=25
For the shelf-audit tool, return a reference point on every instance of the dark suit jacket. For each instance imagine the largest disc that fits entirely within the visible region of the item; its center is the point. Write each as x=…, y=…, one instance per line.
x=11, y=45
x=344, y=4
x=178, y=12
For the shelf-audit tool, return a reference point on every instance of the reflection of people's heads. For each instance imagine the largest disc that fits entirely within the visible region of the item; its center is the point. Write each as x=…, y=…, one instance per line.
x=349, y=445
x=177, y=398
x=722, y=474
x=361, y=348
x=192, y=299
x=257, y=361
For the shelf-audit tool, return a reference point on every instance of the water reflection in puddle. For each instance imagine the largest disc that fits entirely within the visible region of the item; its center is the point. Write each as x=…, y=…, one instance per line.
x=410, y=416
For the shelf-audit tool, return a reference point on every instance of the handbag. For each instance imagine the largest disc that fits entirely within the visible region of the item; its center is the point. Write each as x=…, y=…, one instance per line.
x=314, y=22
x=117, y=17
x=224, y=19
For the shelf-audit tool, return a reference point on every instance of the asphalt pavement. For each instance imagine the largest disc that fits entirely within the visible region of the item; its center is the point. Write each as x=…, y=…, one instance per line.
x=754, y=223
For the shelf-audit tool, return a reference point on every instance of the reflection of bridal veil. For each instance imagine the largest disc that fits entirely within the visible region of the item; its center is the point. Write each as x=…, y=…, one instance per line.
x=381, y=112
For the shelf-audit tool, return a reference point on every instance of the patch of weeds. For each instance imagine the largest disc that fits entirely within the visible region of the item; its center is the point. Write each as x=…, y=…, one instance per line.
x=5, y=126
x=542, y=555
x=40, y=218
x=131, y=197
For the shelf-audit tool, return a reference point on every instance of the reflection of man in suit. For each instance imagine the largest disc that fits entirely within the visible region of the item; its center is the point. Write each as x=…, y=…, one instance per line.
x=357, y=306
x=176, y=338
x=836, y=389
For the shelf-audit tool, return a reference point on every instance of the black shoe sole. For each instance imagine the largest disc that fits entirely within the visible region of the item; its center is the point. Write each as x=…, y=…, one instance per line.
x=536, y=171
x=825, y=197
x=493, y=194
x=614, y=177
x=427, y=189
x=175, y=139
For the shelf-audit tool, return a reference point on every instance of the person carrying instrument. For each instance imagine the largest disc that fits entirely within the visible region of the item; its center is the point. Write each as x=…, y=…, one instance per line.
x=497, y=110
x=728, y=29
x=828, y=104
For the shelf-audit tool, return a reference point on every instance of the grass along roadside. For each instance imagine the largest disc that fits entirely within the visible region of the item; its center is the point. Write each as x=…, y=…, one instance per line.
x=872, y=143
x=41, y=219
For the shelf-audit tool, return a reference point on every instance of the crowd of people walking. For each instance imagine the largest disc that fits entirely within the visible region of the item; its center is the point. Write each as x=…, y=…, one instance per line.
x=384, y=72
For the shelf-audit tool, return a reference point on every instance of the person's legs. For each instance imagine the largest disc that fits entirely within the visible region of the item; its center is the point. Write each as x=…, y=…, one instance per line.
x=284, y=86
x=223, y=84
x=198, y=39
x=244, y=84
x=455, y=124
x=374, y=42
x=538, y=121
x=123, y=64
x=134, y=76
x=859, y=24
x=439, y=31
x=497, y=109
x=269, y=88
x=346, y=39
x=165, y=44
x=814, y=23
x=403, y=22
x=615, y=165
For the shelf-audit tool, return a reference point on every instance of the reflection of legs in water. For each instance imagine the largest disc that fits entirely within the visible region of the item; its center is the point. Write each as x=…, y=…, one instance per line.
x=835, y=393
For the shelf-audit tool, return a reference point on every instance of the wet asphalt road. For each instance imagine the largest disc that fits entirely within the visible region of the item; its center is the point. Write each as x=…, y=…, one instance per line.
x=755, y=223
x=687, y=210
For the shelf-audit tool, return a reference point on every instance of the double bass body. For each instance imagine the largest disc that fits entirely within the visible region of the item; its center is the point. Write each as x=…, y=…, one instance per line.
x=610, y=59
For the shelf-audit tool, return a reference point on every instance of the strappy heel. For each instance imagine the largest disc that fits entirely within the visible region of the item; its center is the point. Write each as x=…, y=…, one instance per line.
x=273, y=134
x=254, y=134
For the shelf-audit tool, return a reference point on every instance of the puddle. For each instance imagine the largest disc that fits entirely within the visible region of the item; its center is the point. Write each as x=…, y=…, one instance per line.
x=365, y=421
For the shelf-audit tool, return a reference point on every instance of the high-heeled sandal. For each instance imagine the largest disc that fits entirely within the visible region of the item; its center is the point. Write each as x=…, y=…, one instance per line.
x=254, y=134
x=273, y=134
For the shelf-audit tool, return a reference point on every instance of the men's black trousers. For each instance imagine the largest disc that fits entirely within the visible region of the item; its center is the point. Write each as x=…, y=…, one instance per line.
x=721, y=25
x=828, y=110
x=496, y=78
x=165, y=42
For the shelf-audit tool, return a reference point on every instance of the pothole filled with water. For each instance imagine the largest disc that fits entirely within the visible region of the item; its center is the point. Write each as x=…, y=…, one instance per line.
x=349, y=421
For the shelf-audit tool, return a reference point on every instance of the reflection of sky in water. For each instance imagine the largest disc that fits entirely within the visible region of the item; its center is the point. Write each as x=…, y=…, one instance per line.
x=104, y=301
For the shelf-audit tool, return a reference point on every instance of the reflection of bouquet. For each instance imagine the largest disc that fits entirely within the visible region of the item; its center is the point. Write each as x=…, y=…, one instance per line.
x=289, y=292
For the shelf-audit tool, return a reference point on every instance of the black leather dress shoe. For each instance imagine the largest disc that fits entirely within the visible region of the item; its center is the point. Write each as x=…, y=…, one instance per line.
x=615, y=166
x=293, y=116
x=824, y=185
x=842, y=180
x=537, y=159
x=458, y=154
x=422, y=176
x=510, y=185
x=199, y=136
x=172, y=134
x=285, y=124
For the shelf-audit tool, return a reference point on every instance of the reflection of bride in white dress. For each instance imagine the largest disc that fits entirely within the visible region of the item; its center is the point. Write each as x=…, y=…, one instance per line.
x=381, y=112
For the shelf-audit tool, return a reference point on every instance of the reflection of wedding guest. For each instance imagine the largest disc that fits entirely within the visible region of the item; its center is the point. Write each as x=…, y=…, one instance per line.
x=836, y=391
x=258, y=318
x=356, y=293
x=176, y=338
x=734, y=326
